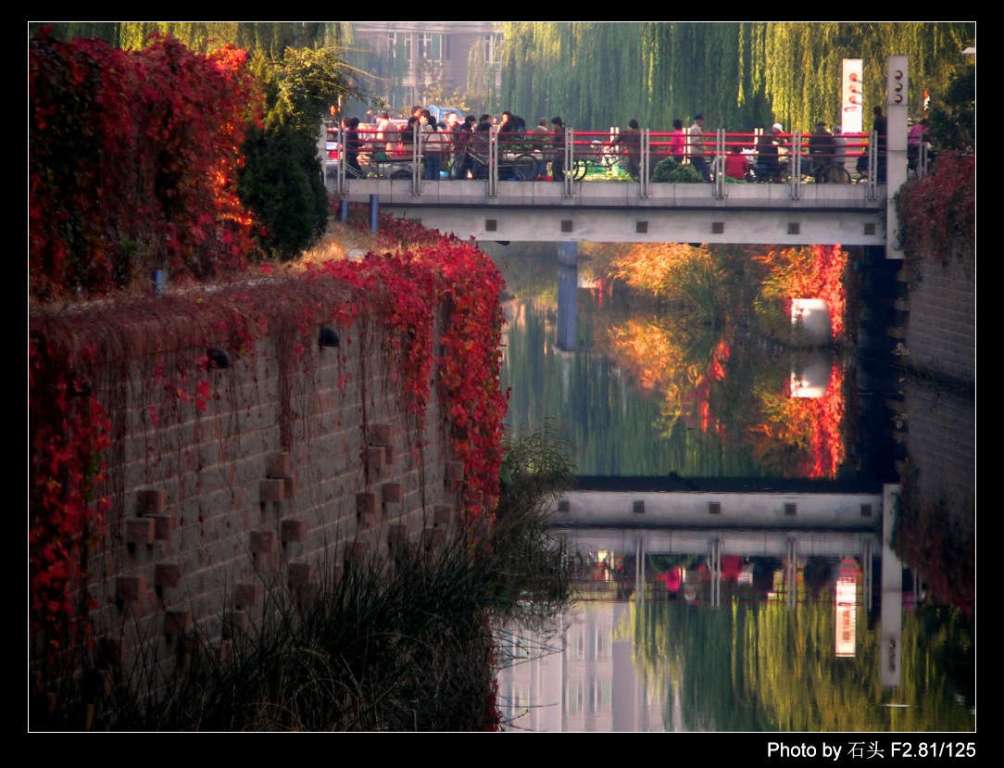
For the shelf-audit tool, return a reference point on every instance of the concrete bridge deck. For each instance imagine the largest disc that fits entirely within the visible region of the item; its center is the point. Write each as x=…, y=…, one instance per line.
x=610, y=211
x=686, y=509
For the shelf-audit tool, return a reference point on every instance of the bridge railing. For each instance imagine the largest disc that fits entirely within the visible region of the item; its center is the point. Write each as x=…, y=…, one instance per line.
x=719, y=157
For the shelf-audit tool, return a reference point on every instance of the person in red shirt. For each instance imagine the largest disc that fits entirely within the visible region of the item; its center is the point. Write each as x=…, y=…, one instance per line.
x=735, y=164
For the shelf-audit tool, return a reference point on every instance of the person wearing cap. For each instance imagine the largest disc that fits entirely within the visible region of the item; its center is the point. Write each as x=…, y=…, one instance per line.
x=695, y=147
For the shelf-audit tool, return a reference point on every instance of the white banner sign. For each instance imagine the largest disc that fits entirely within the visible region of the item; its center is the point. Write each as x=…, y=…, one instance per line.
x=852, y=96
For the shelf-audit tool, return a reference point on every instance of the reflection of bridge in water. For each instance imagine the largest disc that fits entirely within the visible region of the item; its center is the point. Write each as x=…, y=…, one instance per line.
x=789, y=526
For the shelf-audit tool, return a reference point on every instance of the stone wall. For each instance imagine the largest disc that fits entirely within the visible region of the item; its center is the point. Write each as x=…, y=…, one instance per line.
x=288, y=472
x=940, y=334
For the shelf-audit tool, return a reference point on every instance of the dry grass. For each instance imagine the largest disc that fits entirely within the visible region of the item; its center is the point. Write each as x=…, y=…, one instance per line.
x=337, y=241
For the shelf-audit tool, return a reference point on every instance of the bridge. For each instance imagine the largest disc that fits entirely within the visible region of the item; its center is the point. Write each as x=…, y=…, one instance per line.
x=496, y=207
x=786, y=525
x=612, y=211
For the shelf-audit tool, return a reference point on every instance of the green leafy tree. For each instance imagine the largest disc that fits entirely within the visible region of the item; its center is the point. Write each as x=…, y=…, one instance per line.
x=953, y=118
x=282, y=179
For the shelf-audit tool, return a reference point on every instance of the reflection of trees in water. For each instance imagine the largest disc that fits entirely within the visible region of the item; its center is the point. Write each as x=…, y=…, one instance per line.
x=768, y=667
x=714, y=398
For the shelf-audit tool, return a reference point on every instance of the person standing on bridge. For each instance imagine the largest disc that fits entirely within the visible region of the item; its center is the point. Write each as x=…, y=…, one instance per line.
x=558, y=150
x=821, y=152
x=880, y=127
x=768, y=166
x=383, y=134
x=479, y=147
x=351, y=126
x=631, y=140
x=678, y=141
x=696, y=147
x=540, y=146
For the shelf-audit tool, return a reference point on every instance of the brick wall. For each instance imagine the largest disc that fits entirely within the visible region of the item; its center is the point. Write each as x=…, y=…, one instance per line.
x=941, y=327
x=212, y=507
x=941, y=442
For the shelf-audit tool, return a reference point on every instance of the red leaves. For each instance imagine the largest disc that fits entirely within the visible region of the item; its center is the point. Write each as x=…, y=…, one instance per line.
x=131, y=152
x=69, y=503
x=938, y=212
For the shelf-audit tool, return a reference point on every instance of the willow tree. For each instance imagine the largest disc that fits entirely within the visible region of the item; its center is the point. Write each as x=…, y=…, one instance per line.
x=738, y=75
x=271, y=37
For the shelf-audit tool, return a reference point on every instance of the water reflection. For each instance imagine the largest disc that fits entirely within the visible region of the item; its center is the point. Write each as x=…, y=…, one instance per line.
x=638, y=388
x=714, y=640
x=665, y=360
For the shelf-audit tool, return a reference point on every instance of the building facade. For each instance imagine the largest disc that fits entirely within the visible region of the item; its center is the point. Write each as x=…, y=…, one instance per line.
x=423, y=62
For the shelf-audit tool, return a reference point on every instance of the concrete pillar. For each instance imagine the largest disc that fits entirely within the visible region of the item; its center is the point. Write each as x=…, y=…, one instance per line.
x=568, y=253
x=568, y=283
x=898, y=108
x=891, y=606
x=374, y=213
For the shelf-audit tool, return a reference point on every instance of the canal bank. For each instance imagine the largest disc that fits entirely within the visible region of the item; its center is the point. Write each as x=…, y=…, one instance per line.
x=934, y=340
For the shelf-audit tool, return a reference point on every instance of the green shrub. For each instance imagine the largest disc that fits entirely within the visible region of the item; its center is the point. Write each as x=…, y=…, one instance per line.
x=281, y=182
x=664, y=169
x=670, y=171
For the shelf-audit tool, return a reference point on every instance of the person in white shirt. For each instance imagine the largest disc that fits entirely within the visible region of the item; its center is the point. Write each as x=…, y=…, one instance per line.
x=695, y=146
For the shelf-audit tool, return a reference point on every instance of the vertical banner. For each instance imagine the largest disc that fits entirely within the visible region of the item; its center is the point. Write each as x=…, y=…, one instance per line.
x=852, y=96
x=846, y=609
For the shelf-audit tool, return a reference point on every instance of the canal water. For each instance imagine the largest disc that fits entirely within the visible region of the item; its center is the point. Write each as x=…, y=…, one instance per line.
x=682, y=383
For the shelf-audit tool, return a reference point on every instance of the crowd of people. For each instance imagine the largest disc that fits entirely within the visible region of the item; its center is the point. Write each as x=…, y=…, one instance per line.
x=458, y=148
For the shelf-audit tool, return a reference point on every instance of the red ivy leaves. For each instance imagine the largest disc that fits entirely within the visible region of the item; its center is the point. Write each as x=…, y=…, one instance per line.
x=403, y=294
x=71, y=431
x=939, y=211
x=133, y=163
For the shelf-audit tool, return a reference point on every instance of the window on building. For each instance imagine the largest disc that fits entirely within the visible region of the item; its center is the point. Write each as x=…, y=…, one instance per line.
x=432, y=46
x=574, y=695
x=602, y=642
x=400, y=46
x=601, y=696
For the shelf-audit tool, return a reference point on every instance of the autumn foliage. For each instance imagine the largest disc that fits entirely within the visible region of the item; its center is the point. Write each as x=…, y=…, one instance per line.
x=938, y=212
x=815, y=271
x=443, y=290
x=133, y=162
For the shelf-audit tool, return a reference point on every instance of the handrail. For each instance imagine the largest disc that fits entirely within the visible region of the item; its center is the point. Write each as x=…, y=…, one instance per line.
x=643, y=148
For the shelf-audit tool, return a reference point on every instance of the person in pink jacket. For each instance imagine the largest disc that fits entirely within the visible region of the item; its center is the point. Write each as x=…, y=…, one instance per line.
x=677, y=141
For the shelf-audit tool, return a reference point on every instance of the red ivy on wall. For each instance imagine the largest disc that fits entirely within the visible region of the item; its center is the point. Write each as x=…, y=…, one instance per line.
x=133, y=160
x=69, y=502
x=443, y=281
x=938, y=212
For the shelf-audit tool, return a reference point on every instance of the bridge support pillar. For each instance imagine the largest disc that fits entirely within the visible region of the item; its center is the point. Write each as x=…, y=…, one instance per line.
x=898, y=106
x=343, y=210
x=374, y=213
x=891, y=605
x=568, y=253
x=568, y=284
